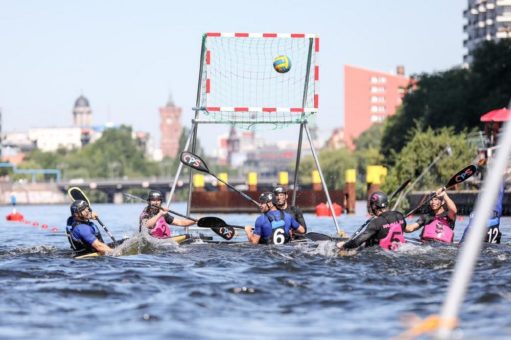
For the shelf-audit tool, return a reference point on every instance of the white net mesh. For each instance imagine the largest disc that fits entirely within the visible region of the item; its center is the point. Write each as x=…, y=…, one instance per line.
x=240, y=86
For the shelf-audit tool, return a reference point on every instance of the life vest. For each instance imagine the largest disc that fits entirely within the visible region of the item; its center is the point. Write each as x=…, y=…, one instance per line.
x=278, y=226
x=394, y=236
x=78, y=245
x=438, y=230
x=161, y=229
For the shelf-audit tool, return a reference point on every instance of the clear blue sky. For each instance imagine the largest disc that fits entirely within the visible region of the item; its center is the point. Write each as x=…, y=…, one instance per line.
x=127, y=56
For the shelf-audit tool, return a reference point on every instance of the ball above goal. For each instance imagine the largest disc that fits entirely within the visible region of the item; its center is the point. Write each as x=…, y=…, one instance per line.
x=282, y=64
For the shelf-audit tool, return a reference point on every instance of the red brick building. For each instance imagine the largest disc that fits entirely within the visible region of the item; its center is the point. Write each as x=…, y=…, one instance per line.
x=370, y=97
x=170, y=129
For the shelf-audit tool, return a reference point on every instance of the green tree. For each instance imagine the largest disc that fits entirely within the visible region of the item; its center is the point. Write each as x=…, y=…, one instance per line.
x=419, y=153
x=334, y=163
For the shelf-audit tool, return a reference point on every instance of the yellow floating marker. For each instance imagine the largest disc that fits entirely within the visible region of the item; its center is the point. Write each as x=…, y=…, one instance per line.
x=350, y=176
x=252, y=178
x=198, y=181
x=373, y=174
x=315, y=177
x=224, y=176
x=283, y=178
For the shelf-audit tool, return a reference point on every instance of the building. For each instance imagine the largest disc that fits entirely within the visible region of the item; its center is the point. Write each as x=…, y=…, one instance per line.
x=170, y=129
x=370, y=97
x=336, y=139
x=52, y=139
x=486, y=20
x=82, y=113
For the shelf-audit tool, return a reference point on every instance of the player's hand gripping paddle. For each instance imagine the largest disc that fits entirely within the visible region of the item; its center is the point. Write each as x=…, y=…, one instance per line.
x=460, y=177
x=77, y=194
x=216, y=224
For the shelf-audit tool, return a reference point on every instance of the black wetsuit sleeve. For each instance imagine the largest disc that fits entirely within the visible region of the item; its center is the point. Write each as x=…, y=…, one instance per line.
x=168, y=218
x=297, y=213
x=359, y=239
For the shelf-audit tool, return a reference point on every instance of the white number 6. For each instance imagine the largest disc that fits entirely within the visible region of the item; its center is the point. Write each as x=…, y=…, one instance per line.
x=278, y=236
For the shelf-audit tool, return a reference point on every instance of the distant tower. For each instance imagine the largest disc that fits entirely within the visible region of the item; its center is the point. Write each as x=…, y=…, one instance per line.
x=82, y=113
x=170, y=128
x=233, y=144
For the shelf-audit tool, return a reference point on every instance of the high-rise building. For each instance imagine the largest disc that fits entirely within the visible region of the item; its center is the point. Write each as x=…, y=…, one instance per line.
x=370, y=97
x=82, y=113
x=170, y=129
x=487, y=20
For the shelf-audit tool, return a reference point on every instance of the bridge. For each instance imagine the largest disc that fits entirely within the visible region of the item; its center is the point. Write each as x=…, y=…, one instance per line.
x=114, y=187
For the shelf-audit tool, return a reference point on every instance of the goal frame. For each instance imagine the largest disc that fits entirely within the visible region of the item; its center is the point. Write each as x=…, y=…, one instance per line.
x=301, y=118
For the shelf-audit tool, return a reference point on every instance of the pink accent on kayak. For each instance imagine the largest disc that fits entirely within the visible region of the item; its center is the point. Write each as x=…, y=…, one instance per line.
x=394, y=237
x=438, y=230
x=162, y=229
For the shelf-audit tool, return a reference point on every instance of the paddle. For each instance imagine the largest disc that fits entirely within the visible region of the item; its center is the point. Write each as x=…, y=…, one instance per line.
x=195, y=162
x=77, y=194
x=216, y=224
x=458, y=178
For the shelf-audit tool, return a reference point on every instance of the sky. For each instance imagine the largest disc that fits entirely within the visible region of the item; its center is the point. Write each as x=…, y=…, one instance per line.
x=127, y=57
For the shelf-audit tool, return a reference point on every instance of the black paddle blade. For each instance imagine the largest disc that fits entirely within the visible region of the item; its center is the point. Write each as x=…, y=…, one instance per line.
x=193, y=161
x=398, y=190
x=462, y=175
x=77, y=194
x=313, y=236
x=218, y=226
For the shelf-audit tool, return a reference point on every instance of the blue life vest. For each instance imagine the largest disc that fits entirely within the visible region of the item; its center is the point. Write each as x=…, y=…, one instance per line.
x=78, y=245
x=279, y=233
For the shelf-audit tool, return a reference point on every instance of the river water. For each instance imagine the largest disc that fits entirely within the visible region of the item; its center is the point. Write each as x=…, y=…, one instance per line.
x=234, y=291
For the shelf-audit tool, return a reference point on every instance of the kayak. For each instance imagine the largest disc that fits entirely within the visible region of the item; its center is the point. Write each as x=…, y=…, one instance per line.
x=179, y=239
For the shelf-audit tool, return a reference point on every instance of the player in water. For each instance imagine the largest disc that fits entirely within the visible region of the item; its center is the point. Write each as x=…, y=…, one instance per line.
x=385, y=230
x=156, y=218
x=438, y=222
x=273, y=226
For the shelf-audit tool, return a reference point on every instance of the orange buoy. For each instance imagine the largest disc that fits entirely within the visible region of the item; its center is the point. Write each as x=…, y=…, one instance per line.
x=337, y=209
x=14, y=216
x=322, y=210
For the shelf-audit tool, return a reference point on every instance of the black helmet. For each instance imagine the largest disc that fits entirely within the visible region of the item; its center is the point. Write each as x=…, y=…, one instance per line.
x=279, y=189
x=78, y=206
x=154, y=195
x=267, y=197
x=377, y=200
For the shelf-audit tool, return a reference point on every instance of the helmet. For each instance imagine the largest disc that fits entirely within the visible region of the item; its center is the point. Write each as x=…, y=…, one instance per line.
x=78, y=206
x=279, y=189
x=154, y=195
x=267, y=197
x=377, y=200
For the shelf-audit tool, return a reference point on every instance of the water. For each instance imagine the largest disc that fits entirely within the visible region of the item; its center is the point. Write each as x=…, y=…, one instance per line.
x=234, y=291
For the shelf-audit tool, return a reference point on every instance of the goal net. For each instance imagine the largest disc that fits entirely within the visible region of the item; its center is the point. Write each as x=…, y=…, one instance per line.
x=239, y=85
